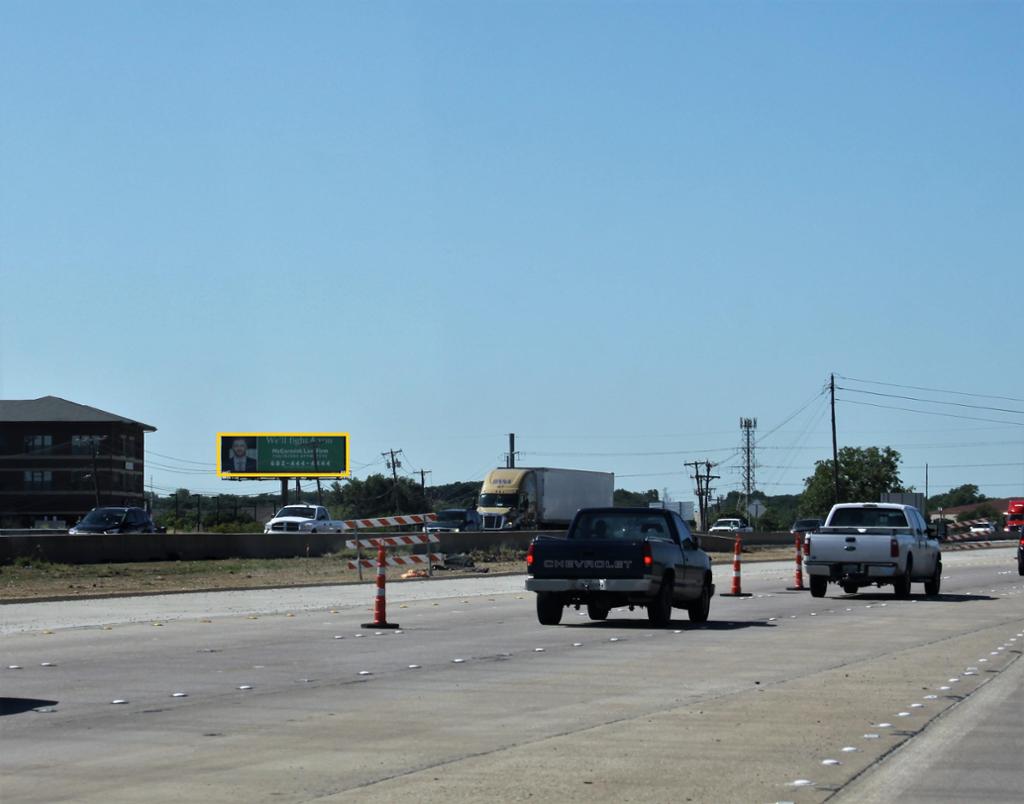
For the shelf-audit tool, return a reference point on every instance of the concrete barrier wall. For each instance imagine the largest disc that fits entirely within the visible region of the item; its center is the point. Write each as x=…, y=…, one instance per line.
x=99, y=548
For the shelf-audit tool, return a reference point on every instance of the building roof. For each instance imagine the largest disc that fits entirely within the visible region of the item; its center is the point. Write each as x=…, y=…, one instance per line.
x=55, y=409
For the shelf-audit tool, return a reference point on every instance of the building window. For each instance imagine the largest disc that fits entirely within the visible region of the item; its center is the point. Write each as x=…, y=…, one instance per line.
x=38, y=443
x=83, y=444
x=38, y=479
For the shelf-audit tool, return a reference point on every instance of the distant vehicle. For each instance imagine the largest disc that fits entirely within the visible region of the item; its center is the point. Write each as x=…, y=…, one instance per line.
x=621, y=557
x=805, y=526
x=864, y=544
x=1015, y=516
x=304, y=519
x=529, y=498
x=454, y=520
x=731, y=526
x=115, y=519
x=984, y=528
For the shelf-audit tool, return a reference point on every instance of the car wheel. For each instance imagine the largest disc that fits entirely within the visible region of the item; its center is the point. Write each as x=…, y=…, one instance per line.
x=659, y=610
x=850, y=588
x=818, y=585
x=901, y=586
x=698, y=610
x=598, y=611
x=933, y=584
x=1020, y=566
x=549, y=609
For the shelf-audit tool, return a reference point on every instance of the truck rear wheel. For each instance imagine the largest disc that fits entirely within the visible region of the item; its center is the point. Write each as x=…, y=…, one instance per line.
x=818, y=585
x=598, y=611
x=549, y=608
x=933, y=584
x=659, y=610
x=901, y=586
x=698, y=610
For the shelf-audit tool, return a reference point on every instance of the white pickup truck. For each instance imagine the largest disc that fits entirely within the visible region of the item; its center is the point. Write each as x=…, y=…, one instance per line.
x=862, y=544
x=304, y=519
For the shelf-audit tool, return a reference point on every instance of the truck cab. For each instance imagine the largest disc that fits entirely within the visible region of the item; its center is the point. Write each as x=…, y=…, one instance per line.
x=303, y=518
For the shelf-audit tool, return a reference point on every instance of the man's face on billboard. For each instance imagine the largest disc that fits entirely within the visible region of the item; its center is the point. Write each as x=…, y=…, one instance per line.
x=239, y=447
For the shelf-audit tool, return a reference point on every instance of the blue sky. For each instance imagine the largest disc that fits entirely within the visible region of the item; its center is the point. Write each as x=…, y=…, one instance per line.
x=611, y=228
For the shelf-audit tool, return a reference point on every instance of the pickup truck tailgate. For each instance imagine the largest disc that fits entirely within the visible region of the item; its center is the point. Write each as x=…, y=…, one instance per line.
x=578, y=558
x=851, y=545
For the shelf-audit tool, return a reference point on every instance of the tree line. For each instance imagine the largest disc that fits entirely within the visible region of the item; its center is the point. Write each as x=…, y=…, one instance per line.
x=865, y=473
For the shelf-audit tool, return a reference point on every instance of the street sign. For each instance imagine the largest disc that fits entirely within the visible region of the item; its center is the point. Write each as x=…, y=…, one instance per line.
x=755, y=508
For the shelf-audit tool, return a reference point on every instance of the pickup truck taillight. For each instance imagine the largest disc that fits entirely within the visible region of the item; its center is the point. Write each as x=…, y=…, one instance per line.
x=894, y=548
x=648, y=558
x=529, y=556
x=807, y=545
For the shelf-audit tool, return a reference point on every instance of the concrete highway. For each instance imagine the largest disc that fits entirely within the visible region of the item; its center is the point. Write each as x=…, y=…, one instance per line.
x=281, y=696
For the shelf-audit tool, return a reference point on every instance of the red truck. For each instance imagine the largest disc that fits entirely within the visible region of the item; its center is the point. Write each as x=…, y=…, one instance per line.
x=1015, y=516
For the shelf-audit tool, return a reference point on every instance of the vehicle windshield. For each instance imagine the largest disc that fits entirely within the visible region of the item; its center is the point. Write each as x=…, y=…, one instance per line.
x=498, y=500
x=298, y=510
x=806, y=524
x=620, y=527
x=451, y=515
x=104, y=517
x=727, y=523
x=868, y=518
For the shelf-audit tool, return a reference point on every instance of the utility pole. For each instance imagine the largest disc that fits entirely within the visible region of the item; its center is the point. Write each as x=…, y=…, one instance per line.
x=199, y=512
x=704, y=489
x=423, y=479
x=748, y=426
x=835, y=448
x=510, y=459
x=393, y=463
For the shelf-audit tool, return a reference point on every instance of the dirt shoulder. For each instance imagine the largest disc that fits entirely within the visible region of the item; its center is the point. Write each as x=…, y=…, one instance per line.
x=34, y=581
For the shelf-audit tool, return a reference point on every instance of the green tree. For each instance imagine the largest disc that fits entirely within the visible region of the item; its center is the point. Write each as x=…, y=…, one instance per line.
x=634, y=499
x=865, y=473
x=967, y=494
x=376, y=496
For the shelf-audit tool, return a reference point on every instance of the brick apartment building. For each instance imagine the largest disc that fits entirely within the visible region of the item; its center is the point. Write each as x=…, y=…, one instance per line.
x=58, y=459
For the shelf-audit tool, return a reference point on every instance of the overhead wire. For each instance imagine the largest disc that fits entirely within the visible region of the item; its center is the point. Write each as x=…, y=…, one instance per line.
x=933, y=390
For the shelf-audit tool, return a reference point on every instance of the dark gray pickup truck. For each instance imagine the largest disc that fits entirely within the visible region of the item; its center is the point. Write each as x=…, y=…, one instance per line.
x=621, y=557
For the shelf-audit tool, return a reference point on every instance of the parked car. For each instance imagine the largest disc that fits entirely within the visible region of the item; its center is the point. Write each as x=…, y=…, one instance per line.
x=805, y=526
x=731, y=526
x=115, y=520
x=984, y=529
x=1020, y=555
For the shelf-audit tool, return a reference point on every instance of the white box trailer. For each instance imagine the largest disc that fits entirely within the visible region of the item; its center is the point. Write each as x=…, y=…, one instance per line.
x=541, y=497
x=684, y=509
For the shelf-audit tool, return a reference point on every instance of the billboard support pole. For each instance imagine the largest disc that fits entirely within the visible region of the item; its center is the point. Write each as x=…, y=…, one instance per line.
x=284, y=491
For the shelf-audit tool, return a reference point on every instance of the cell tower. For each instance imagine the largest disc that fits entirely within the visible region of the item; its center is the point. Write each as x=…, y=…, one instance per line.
x=747, y=427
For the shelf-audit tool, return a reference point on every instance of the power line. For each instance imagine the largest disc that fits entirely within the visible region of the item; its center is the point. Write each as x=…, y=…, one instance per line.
x=931, y=401
x=933, y=390
x=930, y=412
